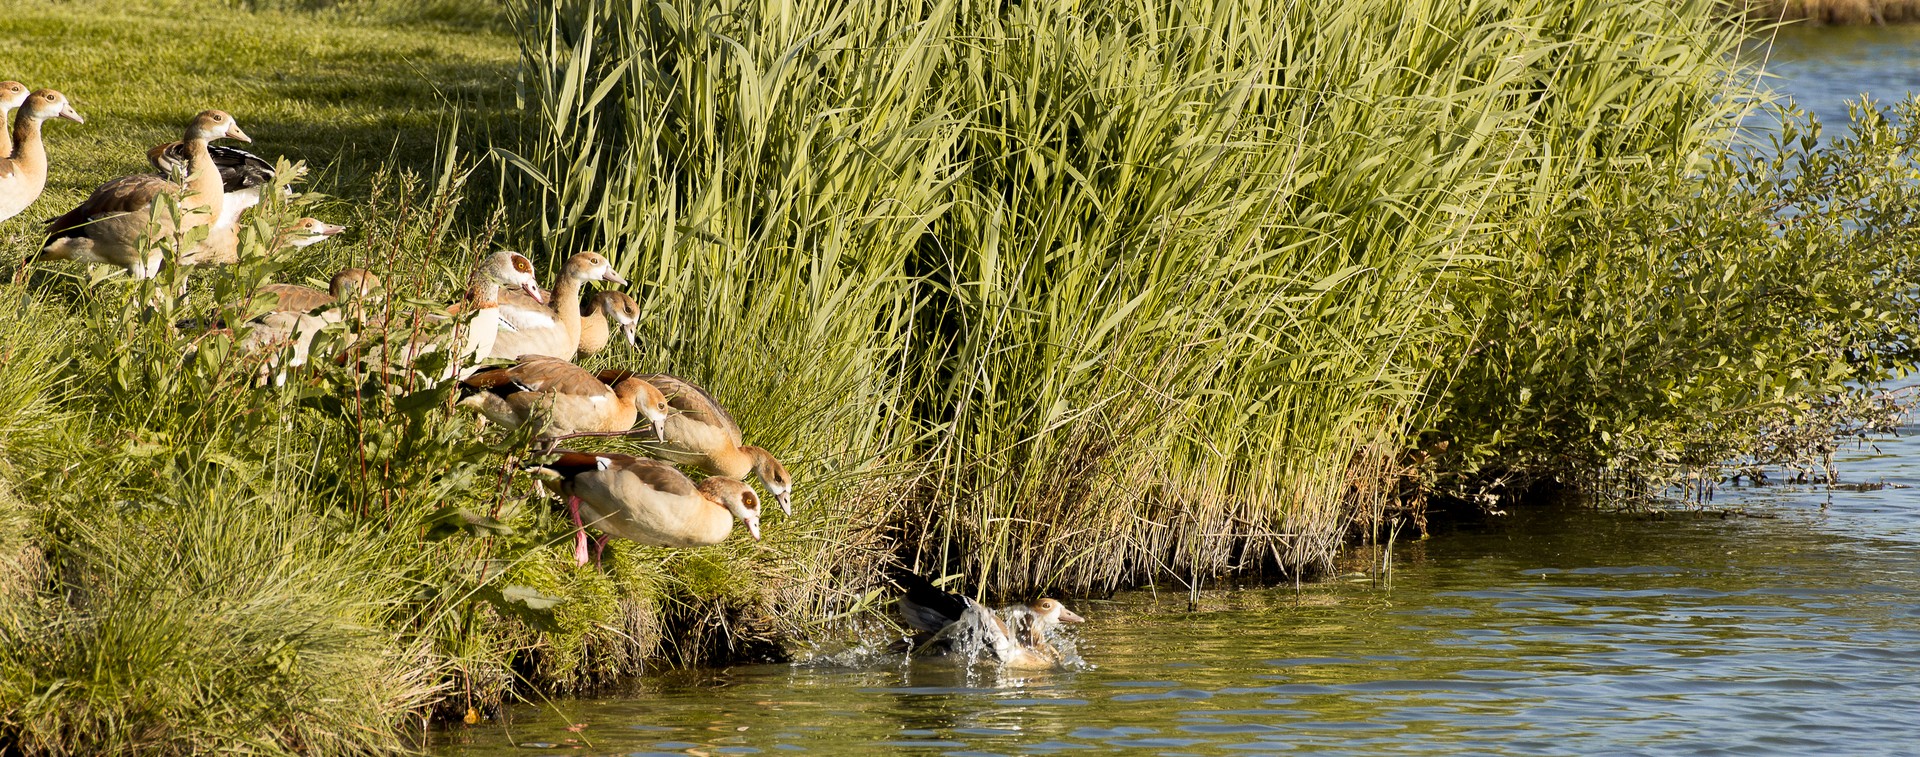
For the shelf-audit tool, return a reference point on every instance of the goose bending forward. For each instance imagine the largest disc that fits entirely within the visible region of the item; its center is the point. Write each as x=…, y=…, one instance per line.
x=604, y=309
x=648, y=501
x=108, y=227
x=566, y=398
x=700, y=433
x=23, y=173
x=348, y=286
x=949, y=624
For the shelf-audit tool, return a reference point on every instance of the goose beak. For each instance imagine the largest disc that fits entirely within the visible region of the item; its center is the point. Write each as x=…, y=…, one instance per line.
x=613, y=277
x=234, y=132
x=1068, y=616
x=632, y=341
x=328, y=229
x=753, y=526
x=67, y=112
x=531, y=289
x=786, y=502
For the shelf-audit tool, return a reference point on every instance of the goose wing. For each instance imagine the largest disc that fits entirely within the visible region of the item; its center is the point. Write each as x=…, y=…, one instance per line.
x=926, y=607
x=239, y=169
x=538, y=374
x=127, y=194
x=295, y=297
x=690, y=401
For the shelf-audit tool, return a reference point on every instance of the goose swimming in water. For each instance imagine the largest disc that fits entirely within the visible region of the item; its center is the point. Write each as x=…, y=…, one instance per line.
x=949, y=624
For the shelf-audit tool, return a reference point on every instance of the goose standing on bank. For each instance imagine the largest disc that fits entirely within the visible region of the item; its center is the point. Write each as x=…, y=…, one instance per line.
x=243, y=175
x=648, y=501
x=108, y=226
x=700, y=433
x=950, y=624
x=607, y=305
x=569, y=398
x=23, y=173
x=529, y=327
x=13, y=94
x=503, y=270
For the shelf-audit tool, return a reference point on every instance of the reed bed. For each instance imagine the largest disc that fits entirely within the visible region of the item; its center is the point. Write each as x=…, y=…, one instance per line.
x=1121, y=289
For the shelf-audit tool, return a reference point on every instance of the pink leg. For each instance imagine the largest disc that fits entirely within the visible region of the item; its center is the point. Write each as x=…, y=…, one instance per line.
x=579, y=531
x=599, y=548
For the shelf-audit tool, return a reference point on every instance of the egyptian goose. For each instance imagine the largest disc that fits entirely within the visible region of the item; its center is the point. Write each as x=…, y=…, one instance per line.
x=13, y=94
x=567, y=397
x=551, y=329
x=648, y=501
x=604, y=306
x=349, y=285
x=950, y=624
x=222, y=245
x=23, y=173
x=700, y=433
x=501, y=270
x=243, y=175
x=109, y=226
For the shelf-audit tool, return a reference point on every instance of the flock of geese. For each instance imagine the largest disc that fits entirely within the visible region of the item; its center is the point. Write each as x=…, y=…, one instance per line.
x=513, y=348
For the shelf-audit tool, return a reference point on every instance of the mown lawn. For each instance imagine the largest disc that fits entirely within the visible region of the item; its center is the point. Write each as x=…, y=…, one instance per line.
x=348, y=93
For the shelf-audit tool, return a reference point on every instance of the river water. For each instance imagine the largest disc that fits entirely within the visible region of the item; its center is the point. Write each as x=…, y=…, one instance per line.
x=1791, y=628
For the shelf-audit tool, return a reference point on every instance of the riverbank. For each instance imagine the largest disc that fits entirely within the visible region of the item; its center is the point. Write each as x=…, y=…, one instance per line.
x=1835, y=12
x=1191, y=306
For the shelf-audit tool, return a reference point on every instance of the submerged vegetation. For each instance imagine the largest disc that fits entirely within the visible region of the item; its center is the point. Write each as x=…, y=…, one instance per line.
x=1048, y=294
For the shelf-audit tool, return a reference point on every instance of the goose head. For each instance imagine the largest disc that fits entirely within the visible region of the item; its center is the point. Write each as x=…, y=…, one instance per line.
x=592, y=266
x=215, y=124
x=354, y=284
x=45, y=104
x=653, y=405
x=737, y=497
x=512, y=270
x=13, y=94
x=1052, y=613
x=774, y=475
x=311, y=231
x=622, y=310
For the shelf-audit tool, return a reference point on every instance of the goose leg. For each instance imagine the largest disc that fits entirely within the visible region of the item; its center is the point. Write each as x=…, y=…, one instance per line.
x=579, y=531
x=599, y=548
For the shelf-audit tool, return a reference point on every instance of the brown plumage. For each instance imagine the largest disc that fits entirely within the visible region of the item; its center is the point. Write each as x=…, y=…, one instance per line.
x=347, y=285
x=702, y=434
x=648, y=501
x=23, y=173
x=109, y=225
x=564, y=398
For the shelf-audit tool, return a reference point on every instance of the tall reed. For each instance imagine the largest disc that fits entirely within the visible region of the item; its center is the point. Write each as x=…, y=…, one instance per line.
x=1119, y=291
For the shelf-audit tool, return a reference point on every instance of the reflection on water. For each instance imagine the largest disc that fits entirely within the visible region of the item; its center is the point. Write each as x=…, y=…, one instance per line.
x=1822, y=68
x=1790, y=629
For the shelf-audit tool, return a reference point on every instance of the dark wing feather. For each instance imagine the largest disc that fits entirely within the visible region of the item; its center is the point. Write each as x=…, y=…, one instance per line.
x=927, y=607
x=570, y=464
x=239, y=169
